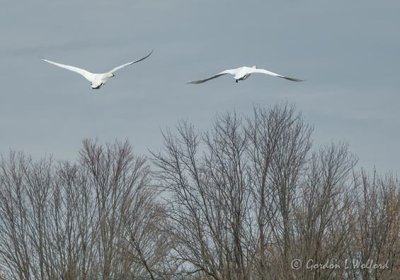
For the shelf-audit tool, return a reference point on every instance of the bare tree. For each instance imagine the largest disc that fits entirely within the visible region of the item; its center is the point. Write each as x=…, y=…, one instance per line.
x=98, y=219
x=128, y=219
x=323, y=211
x=208, y=202
x=232, y=190
x=24, y=197
x=278, y=146
x=375, y=234
x=242, y=201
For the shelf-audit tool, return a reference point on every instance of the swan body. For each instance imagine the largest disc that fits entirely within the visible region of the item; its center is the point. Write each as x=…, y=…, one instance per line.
x=96, y=79
x=242, y=73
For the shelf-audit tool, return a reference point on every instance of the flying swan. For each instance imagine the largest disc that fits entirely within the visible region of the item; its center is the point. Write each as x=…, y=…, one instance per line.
x=96, y=79
x=242, y=73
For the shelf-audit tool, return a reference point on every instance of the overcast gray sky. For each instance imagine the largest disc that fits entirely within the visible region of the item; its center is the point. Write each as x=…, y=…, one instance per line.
x=347, y=50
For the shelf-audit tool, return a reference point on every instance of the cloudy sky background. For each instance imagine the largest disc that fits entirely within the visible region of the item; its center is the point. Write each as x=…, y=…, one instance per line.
x=348, y=51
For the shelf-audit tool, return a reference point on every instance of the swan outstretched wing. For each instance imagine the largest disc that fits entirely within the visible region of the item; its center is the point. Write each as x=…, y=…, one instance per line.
x=129, y=63
x=83, y=72
x=230, y=71
x=264, y=71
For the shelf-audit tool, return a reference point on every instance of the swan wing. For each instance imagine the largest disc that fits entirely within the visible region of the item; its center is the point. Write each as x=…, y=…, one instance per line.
x=230, y=71
x=129, y=63
x=264, y=71
x=83, y=72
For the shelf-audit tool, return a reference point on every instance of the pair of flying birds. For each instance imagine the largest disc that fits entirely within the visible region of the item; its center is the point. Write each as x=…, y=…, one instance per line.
x=99, y=79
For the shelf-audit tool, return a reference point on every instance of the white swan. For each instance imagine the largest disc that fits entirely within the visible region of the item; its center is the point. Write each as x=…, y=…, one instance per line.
x=242, y=73
x=96, y=79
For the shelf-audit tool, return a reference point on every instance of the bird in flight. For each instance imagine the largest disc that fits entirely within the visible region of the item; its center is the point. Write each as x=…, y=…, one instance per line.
x=96, y=79
x=242, y=73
